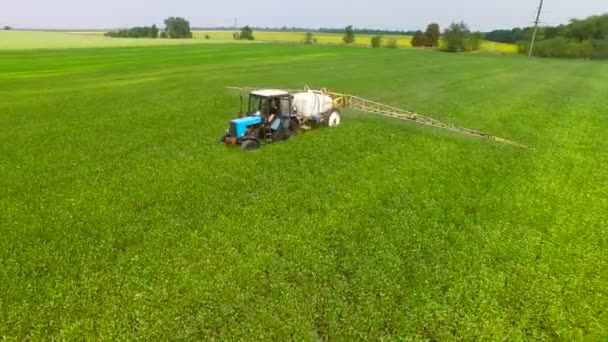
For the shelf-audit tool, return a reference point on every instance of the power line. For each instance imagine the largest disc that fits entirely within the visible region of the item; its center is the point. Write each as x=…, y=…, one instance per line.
x=536, y=22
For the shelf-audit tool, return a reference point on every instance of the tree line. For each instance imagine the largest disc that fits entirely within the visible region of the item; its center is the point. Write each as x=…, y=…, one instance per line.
x=456, y=38
x=510, y=36
x=584, y=38
x=587, y=38
x=308, y=29
x=135, y=32
x=175, y=28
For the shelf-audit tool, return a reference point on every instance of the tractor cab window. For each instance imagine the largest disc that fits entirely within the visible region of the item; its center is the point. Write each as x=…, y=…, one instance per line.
x=275, y=106
x=257, y=104
x=265, y=107
x=284, y=106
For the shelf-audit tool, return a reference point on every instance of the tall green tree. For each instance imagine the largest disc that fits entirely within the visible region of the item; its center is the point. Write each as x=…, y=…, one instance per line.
x=432, y=35
x=154, y=32
x=455, y=37
x=349, y=35
x=592, y=28
x=418, y=39
x=392, y=43
x=177, y=28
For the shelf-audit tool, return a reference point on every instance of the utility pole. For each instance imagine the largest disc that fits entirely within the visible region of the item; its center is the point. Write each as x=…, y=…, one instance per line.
x=536, y=22
x=236, y=23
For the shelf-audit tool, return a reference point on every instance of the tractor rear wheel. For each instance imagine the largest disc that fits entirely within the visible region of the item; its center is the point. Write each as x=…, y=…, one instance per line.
x=294, y=127
x=334, y=118
x=250, y=145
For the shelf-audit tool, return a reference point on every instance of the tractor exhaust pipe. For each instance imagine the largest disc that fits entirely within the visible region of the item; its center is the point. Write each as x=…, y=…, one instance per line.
x=241, y=113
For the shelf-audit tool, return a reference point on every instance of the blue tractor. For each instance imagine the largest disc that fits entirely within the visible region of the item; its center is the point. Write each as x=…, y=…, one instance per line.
x=269, y=117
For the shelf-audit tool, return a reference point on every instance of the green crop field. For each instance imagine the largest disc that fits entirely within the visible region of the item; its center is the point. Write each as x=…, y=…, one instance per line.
x=121, y=217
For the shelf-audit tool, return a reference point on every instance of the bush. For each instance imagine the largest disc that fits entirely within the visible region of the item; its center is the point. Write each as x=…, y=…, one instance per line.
x=349, y=35
x=246, y=34
x=376, y=41
x=135, y=32
x=418, y=39
x=164, y=35
x=473, y=41
x=7, y=28
x=600, y=48
x=309, y=38
x=565, y=48
x=392, y=43
x=207, y=37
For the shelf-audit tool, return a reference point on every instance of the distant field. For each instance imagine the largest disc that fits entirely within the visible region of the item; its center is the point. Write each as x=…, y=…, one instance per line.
x=489, y=46
x=287, y=37
x=17, y=40
x=322, y=38
x=336, y=38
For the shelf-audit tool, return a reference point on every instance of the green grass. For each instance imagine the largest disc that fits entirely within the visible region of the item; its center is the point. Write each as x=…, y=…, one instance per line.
x=122, y=218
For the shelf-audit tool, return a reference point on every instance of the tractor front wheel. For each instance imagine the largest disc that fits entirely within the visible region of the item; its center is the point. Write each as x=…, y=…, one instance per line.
x=250, y=145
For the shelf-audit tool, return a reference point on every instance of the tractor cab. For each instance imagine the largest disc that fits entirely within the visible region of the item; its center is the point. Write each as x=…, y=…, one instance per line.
x=270, y=102
x=268, y=117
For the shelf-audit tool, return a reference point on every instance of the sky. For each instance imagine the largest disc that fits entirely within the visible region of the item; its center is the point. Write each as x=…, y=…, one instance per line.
x=483, y=15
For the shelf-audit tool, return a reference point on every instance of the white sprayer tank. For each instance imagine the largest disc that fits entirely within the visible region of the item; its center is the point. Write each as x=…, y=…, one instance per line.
x=310, y=103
